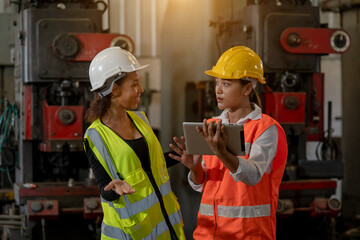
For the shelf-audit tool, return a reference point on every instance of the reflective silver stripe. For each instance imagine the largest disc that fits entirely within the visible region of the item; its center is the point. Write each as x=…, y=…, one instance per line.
x=244, y=211
x=247, y=147
x=162, y=227
x=142, y=116
x=175, y=218
x=206, y=209
x=132, y=209
x=100, y=146
x=159, y=229
x=114, y=232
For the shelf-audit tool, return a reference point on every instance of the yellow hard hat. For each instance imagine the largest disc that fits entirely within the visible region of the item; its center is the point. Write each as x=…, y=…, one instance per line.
x=238, y=62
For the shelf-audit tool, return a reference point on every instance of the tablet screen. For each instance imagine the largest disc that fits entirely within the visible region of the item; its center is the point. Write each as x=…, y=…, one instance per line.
x=196, y=144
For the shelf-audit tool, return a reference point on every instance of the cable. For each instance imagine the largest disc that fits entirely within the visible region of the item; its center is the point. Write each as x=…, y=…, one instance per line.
x=328, y=145
x=9, y=130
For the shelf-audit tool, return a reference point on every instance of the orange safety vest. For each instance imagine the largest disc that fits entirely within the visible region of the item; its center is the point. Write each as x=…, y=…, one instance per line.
x=235, y=210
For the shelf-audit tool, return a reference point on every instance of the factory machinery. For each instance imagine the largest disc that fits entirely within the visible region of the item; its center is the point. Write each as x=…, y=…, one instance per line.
x=290, y=40
x=55, y=42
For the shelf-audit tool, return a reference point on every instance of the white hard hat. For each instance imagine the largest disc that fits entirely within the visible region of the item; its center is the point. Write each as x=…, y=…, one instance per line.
x=110, y=65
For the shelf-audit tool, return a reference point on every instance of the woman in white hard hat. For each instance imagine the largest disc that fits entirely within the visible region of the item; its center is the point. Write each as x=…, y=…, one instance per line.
x=125, y=155
x=239, y=194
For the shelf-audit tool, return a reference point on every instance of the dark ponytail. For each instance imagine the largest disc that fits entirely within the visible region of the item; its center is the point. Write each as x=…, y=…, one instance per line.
x=99, y=105
x=98, y=108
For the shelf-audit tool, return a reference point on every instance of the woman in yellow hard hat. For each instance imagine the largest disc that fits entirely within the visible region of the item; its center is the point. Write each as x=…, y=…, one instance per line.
x=239, y=193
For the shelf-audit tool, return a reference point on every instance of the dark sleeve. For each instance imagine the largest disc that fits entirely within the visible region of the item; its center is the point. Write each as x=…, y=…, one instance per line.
x=101, y=176
x=169, y=161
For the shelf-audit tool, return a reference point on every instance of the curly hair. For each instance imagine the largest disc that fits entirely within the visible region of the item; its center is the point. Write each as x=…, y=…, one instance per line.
x=100, y=105
x=98, y=108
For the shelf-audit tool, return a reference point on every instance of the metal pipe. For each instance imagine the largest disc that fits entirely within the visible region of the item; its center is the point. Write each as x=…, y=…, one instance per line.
x=153, y=28
x=137, y=28
x=336, y=5
x=122, y=16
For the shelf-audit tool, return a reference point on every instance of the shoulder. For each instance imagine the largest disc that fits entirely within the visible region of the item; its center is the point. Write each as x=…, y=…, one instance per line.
x=94, y=126
x=139, y=114
x=271, y=122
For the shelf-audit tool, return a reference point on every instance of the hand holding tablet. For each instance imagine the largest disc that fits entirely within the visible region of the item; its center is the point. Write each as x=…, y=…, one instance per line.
x=196, y=144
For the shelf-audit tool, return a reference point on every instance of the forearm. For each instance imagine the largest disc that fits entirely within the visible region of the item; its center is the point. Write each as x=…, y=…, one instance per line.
x=197, y=174
x=101, y=177
x=229, y=160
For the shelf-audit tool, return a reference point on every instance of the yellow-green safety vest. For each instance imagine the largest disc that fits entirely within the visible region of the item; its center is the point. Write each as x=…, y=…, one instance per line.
x=137, y=215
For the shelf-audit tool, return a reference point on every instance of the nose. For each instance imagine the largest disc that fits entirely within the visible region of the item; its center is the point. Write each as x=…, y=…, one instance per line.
x=218, y=89
x=141, y=89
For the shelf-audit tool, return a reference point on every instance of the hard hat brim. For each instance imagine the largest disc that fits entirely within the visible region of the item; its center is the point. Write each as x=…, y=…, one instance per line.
x=135, y=69
x=215, y=74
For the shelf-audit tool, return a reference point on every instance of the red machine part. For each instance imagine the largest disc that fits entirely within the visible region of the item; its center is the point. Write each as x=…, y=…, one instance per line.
x=49, y=199
x=28, y=111
x=286, y=107
x=308, y=184
x=84, y=46
x=42, y=209
x=314, y=40
x=62, y=122
x=325, y=207
x=53, y=190
x=92, y=208
x=320, y=206
x=315, y=128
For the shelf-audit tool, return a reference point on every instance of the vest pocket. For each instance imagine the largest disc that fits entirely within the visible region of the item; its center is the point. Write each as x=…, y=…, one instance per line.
x=135, y=177
x=164, y=175
x=142, y=228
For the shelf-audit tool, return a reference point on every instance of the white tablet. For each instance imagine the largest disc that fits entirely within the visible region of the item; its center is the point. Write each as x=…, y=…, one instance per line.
x=196, y=144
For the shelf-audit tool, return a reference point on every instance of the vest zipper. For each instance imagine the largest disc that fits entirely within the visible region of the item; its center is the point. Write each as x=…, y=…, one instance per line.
x=157, y=191
x=162, y=206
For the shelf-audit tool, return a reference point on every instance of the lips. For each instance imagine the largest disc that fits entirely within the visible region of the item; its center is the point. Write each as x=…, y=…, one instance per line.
x=219, y=99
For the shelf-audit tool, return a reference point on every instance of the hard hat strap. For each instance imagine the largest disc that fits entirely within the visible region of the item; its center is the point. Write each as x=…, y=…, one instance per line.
x=252, y=80
x=109, y=83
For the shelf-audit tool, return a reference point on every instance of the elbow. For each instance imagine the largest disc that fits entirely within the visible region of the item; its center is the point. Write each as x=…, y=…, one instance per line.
x=254, y=182
x=248, y=180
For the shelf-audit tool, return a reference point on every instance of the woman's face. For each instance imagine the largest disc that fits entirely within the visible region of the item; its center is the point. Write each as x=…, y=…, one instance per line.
x=129, y=92
x=231, y=94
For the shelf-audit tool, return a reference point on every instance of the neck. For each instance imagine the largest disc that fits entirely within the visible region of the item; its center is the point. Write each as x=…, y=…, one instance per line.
x=115, y=114
x=235, y=114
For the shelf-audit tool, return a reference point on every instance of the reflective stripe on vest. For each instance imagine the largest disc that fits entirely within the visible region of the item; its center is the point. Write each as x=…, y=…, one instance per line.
x=100, y=146
x=139, y=206
x=237, y=212
x=114, y=232
x=159, y=229
x=132, y=208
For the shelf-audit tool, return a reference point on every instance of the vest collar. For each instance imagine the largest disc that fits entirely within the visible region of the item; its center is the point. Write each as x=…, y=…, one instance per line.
x=254, y=115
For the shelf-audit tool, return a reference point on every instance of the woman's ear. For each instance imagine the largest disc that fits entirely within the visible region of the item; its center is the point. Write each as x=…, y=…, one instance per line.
x=247, y=89
x=116, y=91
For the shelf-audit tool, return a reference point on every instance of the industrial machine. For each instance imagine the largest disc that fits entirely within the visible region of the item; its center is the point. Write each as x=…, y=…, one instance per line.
x=290, y=40
x=55, y=42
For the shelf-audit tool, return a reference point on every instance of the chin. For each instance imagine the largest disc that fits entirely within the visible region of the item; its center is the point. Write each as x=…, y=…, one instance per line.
x=221, y=107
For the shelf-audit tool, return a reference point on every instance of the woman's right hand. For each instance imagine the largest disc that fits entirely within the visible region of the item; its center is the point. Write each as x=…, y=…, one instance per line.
x=188, y=160
x=120, y=187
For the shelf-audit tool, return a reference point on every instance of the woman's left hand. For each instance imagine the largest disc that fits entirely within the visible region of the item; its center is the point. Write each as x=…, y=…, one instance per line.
x=215, y=136
x=120, y=187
